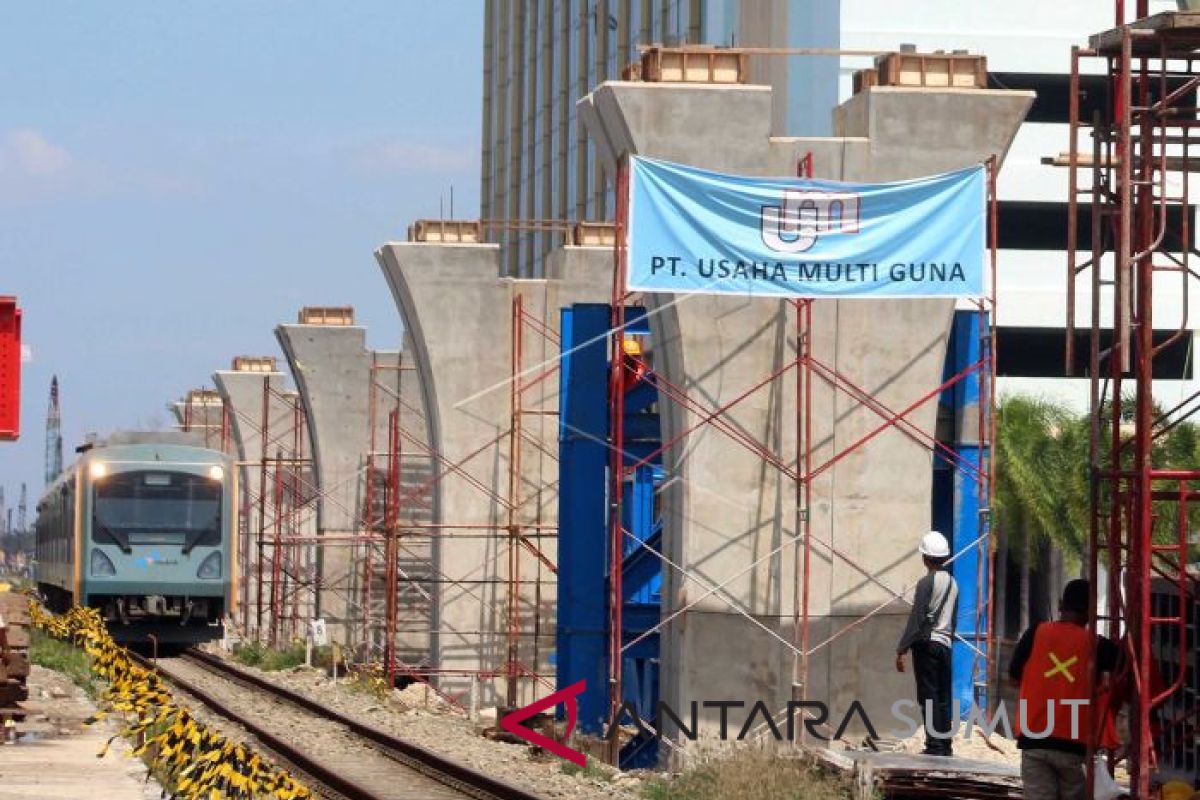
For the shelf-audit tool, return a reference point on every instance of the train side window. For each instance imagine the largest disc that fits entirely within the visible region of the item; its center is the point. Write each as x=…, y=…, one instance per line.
x=69, y=521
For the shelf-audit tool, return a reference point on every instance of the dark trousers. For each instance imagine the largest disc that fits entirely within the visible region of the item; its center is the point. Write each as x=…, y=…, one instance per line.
x=931, y=668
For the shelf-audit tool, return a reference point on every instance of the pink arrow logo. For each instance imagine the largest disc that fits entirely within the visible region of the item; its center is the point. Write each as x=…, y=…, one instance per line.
x=512, y=722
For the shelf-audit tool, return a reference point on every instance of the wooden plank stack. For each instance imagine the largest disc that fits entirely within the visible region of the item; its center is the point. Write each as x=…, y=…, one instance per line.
x=14, y=653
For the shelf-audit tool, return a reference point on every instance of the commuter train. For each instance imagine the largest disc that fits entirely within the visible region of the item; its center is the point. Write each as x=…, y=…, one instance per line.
x=143, y=527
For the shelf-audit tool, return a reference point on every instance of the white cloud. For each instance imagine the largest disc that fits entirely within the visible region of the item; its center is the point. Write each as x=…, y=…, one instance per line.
x=411, y=157
x=26, y=152
x=34, y=169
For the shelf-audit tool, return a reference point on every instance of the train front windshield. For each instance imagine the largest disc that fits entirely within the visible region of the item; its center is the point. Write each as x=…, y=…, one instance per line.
x=157, y=508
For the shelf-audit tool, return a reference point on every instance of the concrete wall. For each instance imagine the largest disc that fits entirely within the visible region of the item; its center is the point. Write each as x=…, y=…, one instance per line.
x=729, y=518
x=764, y=23
x=458, y=316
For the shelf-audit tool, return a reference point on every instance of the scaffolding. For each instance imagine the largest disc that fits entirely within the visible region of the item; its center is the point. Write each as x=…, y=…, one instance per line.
x=523, y=533
x=281, y=544
x=402, y=470
x=399, y=579
x=797, y=467
x=396, y=583
x=1125, y=186
x=202, y=411
x=276, y=508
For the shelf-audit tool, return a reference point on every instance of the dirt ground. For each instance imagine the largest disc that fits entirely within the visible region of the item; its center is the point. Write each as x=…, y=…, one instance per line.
x=54, y=757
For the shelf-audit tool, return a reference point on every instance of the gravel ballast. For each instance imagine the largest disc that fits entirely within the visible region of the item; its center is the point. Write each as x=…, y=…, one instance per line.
x=447, y=730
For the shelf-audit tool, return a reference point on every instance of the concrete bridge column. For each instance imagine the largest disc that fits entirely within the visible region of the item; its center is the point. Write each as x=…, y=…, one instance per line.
x=245, y=392
x=332, y=369
x=458, y=316
x=730, y=518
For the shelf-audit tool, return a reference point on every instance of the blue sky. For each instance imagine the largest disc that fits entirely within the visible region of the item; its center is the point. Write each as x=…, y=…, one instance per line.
x=178, y=177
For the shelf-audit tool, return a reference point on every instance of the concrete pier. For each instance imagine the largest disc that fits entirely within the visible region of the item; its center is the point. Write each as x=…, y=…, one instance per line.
x=458, y=315
x=332, y=368
x=259, y=402
x=731, y=519
x=200, y=411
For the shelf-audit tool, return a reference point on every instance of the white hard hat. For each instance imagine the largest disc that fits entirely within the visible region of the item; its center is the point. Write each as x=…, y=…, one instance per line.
x=934, y=545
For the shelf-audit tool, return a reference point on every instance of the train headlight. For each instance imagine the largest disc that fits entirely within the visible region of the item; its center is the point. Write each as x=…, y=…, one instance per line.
x=210, y=567
x=102, y=565
x=216, y=472
x=97, y=470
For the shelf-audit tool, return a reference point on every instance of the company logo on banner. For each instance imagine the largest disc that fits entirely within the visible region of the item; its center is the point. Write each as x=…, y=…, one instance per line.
x=794, y=226
x=691, y=230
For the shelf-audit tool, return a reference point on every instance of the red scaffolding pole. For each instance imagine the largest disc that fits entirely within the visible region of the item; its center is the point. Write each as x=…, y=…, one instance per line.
x=1137, y=174
x=391, y=523
x=275, y=504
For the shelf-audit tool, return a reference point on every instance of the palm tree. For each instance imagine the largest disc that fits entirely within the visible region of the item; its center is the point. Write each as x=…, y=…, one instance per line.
x=1041, y=485
x=1043, y=501
x=1041, y=465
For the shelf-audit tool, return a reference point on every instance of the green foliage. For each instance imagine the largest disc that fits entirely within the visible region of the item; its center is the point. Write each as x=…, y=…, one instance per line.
x=751, y=775
x=64, y=657
x=271, y=659
x=1043, y=473
x=593, y=770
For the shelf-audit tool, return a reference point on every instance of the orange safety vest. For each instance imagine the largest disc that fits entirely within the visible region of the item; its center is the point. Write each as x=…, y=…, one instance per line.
x=1058, y=669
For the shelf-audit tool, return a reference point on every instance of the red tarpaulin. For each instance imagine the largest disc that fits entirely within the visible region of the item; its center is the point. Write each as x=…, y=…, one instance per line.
x=10, y=369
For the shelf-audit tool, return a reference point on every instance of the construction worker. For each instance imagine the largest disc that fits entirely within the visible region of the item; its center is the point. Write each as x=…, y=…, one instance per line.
x=1052, y=665
x=929, y=634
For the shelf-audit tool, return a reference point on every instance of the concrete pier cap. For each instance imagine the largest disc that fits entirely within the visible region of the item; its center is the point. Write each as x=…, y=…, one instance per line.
x=201, y=411
x=457, y=312
x=730, y=518
x=244, y=392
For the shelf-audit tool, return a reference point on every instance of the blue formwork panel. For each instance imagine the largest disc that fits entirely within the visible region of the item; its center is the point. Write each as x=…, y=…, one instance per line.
x=958, y=504
x=583, y=580
x=582, y=630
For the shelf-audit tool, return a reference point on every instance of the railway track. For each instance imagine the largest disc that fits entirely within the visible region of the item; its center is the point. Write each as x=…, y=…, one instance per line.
x=344, y=756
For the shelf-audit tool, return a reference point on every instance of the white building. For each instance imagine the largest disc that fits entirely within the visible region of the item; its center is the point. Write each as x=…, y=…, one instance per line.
x=1028, y=46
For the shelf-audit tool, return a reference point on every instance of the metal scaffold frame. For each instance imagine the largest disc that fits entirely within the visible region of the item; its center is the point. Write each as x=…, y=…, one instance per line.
x=388, y=525
x=271, y=507
x=517, y=529
x=799, y=468
x=381, y=521
x=1137, y=171
x=195, y=417
x=391, y=527
x=277, y=502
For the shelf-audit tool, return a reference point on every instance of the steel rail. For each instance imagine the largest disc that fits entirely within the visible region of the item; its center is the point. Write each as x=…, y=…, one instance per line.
x=297, y=759
x=433, y=765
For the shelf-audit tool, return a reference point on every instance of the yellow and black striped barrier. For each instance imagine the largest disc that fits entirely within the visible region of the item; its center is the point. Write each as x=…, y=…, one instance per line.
x=191, y=760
